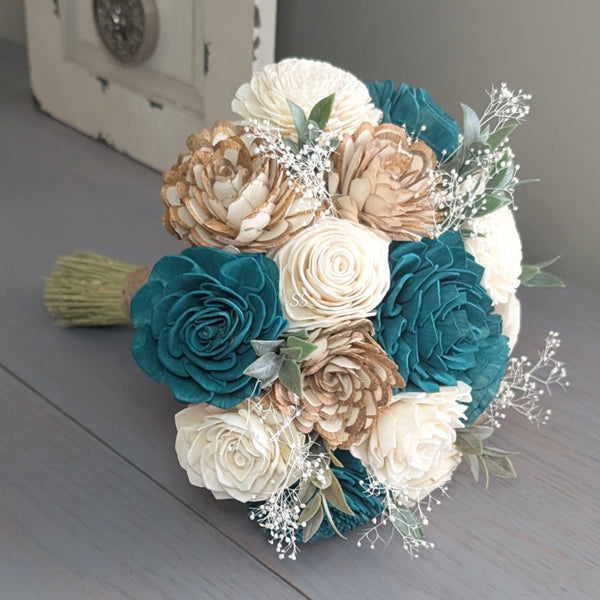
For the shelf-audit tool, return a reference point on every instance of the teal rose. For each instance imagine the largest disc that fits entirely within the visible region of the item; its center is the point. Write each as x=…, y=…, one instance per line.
x=437, y=323
x=195, y=319
x=418, y=113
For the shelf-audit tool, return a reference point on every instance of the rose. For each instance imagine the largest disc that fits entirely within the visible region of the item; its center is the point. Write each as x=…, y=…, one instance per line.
x=415, y=110
x=496, y=246
x=411, y=448
x=332, y=272
x=383, y=180
x=243, y=453
x=196, y=317
x=225, y=192
x=305, y=82
x=436, y=321
x=510, y=311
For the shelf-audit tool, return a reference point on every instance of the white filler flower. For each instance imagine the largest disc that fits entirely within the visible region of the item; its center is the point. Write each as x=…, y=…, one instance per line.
x=305, y=82
x=496, y=246
x=411, y=448
x=241, y=453
x=332, y=272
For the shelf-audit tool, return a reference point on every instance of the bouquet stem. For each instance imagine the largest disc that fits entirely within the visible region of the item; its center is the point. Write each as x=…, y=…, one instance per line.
x=86, y=289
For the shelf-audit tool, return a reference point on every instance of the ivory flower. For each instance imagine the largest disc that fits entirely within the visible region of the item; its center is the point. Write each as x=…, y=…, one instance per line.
x=331, y=273
x=242, y=453
x=305, y=82
x=510, y=311
x=496, y=246
x=411, y=448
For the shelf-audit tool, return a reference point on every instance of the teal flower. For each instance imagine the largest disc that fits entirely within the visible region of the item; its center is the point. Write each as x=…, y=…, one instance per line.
x=196, y=317
x=365, y=506
x=436, y=321
x=414, y=108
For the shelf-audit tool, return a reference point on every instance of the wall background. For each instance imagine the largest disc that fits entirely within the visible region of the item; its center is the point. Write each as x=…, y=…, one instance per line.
x=455, y=49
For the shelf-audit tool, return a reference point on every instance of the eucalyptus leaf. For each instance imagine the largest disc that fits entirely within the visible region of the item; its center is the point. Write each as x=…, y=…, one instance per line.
x=497, y=452
x=544, y=280
x=500, y=466
x=312, y=526
x=321, y=111
x=483, y=432
x=473, y=462
x=468, y=443
x=311, y=509
x=547, y=263
x=492, y=203
x=264, y=346
x=405, y=522
x=265, y=368
x=471, y=125
x=322, y=480
x=483, y=464
x=501, y=135
x=306, y=490
x=330, y=518
x=290, y=376
x=335, y=460
x=335, y=496
x=298, y=116
x=305, y=347
x=292, y=353
x=291, y=144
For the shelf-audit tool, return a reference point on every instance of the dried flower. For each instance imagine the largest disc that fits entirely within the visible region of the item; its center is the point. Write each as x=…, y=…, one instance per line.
x=382, y=179
x=224, y=192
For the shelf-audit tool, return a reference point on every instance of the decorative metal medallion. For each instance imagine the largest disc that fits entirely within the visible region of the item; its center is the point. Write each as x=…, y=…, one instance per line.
x=128, y=29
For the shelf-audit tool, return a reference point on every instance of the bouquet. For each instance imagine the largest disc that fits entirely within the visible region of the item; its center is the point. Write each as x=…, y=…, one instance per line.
x=340, y=326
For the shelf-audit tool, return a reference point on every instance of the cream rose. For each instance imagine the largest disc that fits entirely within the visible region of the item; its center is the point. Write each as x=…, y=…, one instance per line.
x=305, y=82
x=411, y=448
x=237, y=453
x=510, y=311
x=332, y=272
x=496, y=246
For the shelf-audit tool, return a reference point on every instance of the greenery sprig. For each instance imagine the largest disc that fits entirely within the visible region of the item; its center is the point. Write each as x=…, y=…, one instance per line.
x=534, y=275
x=310, y=128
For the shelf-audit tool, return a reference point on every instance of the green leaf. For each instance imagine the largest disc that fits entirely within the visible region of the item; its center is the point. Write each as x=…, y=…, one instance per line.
x=321, y=111
x=483, y=463
x=306, y=491
x=292, y=353
x=473, y=462
x=471, y=125
x=305, y=347
x=468, y=443
x=311, y=509
x=547, y=263
x=533, y=276
x=500, y=466
x=335, y=496
x=483, y=432
x=497, y=452
x=313, y=525
x=492, y=202
x=291, y=144
x=496, y=138
x=265, y=368
x=335, y=460
x=290, y=376
x=330, y=518
x=321, y=480
x=263, y=346
x=406, y=522
x=298, y=116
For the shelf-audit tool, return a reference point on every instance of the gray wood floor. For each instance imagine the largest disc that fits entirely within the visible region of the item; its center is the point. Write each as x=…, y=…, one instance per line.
x=92, y=501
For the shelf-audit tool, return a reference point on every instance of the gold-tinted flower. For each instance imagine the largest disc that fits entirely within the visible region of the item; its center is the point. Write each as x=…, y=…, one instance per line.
x=225, y=192
x=383, y=180
x=347, y=380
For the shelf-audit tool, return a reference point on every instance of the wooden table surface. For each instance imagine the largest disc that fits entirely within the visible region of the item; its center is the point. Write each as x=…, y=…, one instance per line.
x=93, y=503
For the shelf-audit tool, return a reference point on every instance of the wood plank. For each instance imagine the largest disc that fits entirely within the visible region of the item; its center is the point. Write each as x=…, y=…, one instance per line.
x=78, y=521
x=530, y=538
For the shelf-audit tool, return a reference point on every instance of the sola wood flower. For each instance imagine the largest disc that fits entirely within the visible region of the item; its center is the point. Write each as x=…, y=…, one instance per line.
x=383, y=180
x=305, y=82
x=346, y=381
x=224, y=191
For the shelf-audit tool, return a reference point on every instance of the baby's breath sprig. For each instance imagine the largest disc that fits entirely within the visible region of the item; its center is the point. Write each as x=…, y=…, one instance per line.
x=525, y=383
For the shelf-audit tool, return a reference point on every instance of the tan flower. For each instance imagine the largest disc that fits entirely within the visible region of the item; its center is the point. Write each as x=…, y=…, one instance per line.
x=347, y=380
x=305, y=82
x=225, y=192
x=383, y=180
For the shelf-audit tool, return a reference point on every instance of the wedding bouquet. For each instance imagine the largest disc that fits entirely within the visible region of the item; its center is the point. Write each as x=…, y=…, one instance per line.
x=341, y=324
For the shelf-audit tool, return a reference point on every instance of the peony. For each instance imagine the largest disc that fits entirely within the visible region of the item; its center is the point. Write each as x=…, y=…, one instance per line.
x=242, y=453
x=331, y=273
x=418, y=113
x=496, y=246
x=510, y=311
x=383, y=180
x=347, y=381
x=305, y=82
x=437, y=322
x=224, y=192
x=411, y=448
x=196, y=317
